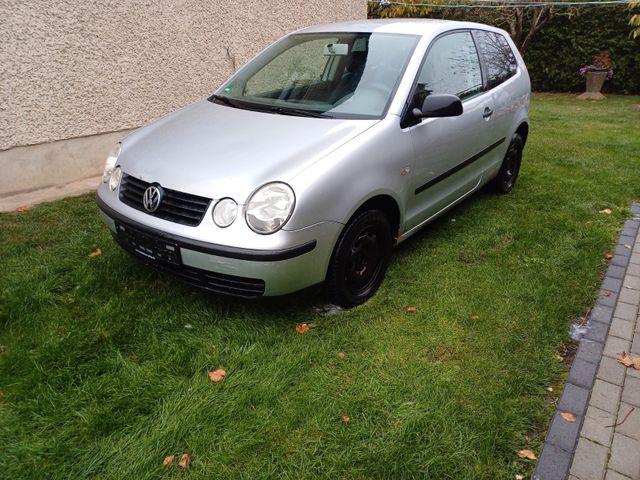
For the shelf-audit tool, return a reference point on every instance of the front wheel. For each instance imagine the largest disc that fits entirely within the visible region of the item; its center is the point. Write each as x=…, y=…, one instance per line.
x=506, y=178
x=360, y=259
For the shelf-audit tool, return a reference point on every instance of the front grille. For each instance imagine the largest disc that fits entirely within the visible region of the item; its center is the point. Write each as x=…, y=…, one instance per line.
x=211, y=281
x=178, y=207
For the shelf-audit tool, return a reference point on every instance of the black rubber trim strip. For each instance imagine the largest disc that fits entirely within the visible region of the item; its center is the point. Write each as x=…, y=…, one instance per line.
x=211, y=248
x=458, y=167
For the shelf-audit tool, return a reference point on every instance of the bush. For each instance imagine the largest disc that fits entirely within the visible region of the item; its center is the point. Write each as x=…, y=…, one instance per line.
x=566, y=44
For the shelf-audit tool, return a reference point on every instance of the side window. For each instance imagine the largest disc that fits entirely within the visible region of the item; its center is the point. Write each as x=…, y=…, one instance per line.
x=452, y=66
x=497, y=56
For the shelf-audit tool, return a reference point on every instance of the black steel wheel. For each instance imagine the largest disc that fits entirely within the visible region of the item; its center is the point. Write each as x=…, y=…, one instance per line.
x=360, y=259
x=506, y=178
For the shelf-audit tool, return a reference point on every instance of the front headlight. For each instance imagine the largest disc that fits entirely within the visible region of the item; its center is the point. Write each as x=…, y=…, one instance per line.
x=110, y=164
x=225, y=212
x=269, y=208
x=114, y=181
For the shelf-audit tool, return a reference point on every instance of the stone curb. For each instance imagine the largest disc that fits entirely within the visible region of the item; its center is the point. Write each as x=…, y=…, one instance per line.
x=562, y=437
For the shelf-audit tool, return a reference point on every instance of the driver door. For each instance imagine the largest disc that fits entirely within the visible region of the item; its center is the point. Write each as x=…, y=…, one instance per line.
x=448, y=151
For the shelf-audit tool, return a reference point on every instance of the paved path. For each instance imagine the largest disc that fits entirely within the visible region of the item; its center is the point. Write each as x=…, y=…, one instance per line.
x=604, y=396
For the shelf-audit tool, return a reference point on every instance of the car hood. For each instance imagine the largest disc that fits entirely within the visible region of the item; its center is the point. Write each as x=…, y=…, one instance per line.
x=217, y=151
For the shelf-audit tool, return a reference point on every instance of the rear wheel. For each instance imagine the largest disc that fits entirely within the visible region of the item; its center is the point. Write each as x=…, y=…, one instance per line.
x=360, y=259
x=506, y=178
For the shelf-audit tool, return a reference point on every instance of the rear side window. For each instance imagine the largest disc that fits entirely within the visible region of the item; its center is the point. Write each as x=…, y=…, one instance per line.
x=452, y=66
x=498, y=57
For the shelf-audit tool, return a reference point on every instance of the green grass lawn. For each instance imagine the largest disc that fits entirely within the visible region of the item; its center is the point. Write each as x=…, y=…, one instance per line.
x=103, y=362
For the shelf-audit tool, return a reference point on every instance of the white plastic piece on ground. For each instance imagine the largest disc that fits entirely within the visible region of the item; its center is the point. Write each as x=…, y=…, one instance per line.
x=326, y=310
x=578, y=331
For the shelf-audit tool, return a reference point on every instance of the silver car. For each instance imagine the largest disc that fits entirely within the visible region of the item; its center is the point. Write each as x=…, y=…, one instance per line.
x=313, y=160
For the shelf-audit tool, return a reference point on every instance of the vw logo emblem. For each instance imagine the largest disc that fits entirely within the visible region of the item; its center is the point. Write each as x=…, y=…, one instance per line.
x=151, y=198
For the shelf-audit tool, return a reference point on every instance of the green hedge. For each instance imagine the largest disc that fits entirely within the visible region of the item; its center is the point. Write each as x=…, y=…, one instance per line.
x=566, y=44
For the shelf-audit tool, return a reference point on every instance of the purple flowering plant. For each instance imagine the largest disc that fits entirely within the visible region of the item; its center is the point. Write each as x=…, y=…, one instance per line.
x=600, y=62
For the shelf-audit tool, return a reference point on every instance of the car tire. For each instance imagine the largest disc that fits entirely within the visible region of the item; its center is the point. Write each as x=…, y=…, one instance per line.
x=360, y=259
x=506, y=178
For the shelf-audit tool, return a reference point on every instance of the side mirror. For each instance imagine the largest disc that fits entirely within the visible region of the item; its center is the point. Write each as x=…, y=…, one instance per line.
x=441, y=105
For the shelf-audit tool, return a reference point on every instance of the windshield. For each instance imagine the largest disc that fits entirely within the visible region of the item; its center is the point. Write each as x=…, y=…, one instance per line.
x=336, y=75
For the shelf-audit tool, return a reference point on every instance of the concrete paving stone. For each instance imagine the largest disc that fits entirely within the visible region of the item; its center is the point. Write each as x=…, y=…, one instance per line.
x=597, y=331
x=635, y=208
x=626, y=239
x=609, y=300
x=635, y=345
x=626, y=311
x=611, y=371
x=635, y=258
x=612, y=475
x=590, y=351
x=597, y=426
x=621, y=328
x=633, y=269
x=631, y=281
x=553, y=464
x=631, y=393
x=630, y=296
x=573, y=399
x=605, y=396
x=631, y=224
x=582, y=373
x=618, y=260
x=615, y=345
x=615, y=271
x=631, y=426
x=589, y=460
x=622, y=251
x=601, y=313
x=612, y=284
x=563, y=434
x=624, y=455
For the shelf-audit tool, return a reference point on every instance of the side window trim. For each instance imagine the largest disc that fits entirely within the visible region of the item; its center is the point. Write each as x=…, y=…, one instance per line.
x=405, y=118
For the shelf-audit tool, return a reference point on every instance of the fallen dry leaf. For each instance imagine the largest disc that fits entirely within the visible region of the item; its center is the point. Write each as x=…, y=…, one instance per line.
x=606, y=293
x=341, y=354
x=519, y=477
x=168, y=460
x=626, y=245
x=22, y=209
x=608, y=256
x=213, y=349
x=475, y=317
x=185, y=460
x=302, y=327
x=569, y=417
x=411, y=309
x=558, y=357
x=217, y=375
x=346, y=418
x=606, y=211
x=629, y=360
x=527, y=454
x=96, y=252
x=134, y=357
x=549, y=389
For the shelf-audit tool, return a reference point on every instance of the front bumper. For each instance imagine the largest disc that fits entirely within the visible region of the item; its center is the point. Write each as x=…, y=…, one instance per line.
x=244, y=272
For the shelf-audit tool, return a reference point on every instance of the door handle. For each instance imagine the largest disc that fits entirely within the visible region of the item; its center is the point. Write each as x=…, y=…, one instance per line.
x=487, y=113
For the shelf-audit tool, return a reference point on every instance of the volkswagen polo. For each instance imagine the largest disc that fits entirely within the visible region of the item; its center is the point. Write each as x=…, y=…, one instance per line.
x=313, y=160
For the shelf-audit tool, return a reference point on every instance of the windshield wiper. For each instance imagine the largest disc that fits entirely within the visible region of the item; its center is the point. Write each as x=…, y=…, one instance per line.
x=298, y=112
x=225, y=100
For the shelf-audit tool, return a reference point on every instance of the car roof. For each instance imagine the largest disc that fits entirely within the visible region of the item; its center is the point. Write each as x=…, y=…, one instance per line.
x=413, y=26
